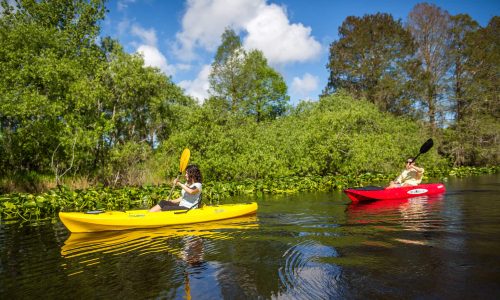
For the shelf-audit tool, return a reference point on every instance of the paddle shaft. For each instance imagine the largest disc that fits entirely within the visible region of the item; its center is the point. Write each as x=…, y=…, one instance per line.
x=413, y=160
x=425, y=147
x=182, y=167
x=173, y=186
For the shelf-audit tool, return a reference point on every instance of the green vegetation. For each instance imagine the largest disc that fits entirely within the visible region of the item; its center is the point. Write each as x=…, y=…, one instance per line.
x=29, y=207
x=84, y=125
x=438, y=67
x=70, y=106
x=243, y=83
x=373, y=59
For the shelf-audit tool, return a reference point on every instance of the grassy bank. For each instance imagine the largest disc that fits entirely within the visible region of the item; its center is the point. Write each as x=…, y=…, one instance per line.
x=32, y=207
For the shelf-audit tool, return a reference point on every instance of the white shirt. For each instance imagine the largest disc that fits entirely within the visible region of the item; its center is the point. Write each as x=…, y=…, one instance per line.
x=189, y=200
x=409, y=178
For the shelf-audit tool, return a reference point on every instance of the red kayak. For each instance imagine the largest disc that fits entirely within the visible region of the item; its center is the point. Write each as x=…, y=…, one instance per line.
x=380, y=193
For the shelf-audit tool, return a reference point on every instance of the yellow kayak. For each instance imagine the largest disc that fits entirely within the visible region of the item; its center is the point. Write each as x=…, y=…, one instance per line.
x=123, y=220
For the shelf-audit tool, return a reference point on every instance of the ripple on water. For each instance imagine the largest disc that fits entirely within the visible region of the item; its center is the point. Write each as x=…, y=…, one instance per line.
x=303, y=275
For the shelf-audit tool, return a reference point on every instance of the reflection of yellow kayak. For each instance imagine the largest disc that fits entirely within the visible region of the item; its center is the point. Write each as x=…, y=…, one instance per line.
x=122, y=220
x=150, y=240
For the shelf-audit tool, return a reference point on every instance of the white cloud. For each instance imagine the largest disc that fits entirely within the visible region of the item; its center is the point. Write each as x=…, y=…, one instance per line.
x=148, y=36
x=149, y=50
x=123, y=4
x=302, y=86
x=205, y=21
x=267, y=27
x=280, y=41
x=123, y=26
x=154, y=58
x=198, y=88
x=183, y=67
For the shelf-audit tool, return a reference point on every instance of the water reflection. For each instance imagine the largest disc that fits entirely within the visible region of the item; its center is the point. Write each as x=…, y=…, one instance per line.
x=180, y=251
x=192, y=252
x=421, y=213
x=146, y=241
x=193, y=255
x=416, y=215
x=409, y=211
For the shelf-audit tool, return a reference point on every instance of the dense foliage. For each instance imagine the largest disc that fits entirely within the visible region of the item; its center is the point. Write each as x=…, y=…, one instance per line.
x=333, y=136
x=373, y=59
x=71, y=106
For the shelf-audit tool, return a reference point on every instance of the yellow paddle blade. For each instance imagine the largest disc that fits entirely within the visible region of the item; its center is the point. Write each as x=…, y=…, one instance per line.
x=184, y=160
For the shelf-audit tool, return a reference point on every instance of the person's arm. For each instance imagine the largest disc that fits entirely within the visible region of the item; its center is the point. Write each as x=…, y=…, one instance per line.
x=176, y=201
x=420, y=171
x=399, y=179
x=185, y=187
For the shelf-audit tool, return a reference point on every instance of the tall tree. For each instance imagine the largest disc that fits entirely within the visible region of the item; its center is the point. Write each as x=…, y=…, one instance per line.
x=483, y=50
x=245, y=82
x=484, y=93
x=475, y=137
x=142, y=101
x=266, y=91
x=461, y=26
x=430, y=28
x=371, y=59
x=226, y=77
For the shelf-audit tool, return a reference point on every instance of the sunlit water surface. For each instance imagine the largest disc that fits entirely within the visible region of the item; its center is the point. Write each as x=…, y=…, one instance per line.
x=304, y=246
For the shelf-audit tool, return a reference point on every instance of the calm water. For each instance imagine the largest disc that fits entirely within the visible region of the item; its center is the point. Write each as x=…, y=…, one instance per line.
x=306, y=246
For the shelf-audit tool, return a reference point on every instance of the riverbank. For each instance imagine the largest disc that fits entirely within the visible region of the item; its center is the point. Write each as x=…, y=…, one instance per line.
x=45, y=205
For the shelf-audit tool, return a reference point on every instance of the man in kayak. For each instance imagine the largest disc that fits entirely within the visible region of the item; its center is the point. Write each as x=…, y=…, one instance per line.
x=411, y=176
x=191, y=192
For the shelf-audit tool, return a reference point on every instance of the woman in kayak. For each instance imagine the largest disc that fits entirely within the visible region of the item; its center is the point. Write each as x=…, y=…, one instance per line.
x=191, y=192
x=411, y=176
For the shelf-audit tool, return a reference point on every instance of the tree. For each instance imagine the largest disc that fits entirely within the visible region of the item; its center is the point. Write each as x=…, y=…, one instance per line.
x=430, y=28
x=245, y=82
x=370, y=60
x=483, y=111
x=483, y=50
x=226, y=77
x=47, y=52
x=141, y=100
x=266, y=91
x=461, y=26
x=336, y=135
x=67, y=103
x=474, y=139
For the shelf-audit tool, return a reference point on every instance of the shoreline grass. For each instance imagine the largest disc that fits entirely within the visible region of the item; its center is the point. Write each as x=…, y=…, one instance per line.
x=46, y=204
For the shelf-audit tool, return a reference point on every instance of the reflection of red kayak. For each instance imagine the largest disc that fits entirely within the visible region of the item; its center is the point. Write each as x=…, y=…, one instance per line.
x=374, y=206
x=379, y=193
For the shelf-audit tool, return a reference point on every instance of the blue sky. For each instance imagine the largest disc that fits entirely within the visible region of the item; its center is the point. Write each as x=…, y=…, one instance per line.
x=181, y=37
